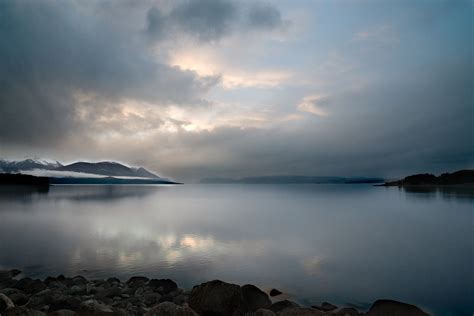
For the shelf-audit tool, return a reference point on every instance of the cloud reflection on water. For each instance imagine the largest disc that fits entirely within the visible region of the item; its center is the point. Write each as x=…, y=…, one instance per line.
x=340, y=243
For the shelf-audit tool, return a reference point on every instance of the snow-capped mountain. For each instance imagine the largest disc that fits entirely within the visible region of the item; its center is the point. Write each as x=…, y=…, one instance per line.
x=12, y=166
x=49, y=168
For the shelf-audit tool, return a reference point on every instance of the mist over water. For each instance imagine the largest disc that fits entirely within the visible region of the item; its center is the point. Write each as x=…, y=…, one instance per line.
x=338, y=243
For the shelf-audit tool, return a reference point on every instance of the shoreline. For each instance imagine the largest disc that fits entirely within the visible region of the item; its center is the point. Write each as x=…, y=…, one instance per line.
x=139, y=295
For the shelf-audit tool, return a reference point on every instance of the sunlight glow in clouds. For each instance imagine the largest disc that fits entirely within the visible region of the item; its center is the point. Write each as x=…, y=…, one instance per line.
x=231, y=77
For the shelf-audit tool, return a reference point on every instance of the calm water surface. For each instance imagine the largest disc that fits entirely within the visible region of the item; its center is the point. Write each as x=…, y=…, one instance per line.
x=341, y=243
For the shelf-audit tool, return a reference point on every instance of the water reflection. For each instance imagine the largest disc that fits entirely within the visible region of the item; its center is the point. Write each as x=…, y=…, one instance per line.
x=19, y=192
x=444, y=192
x=339, y=243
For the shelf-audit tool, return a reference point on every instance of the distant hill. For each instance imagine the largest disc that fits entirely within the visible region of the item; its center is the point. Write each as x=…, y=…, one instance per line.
x=461, y=177
x=293, y=179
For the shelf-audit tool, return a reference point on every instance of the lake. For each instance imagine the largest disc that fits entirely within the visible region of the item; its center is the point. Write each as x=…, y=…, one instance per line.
x=346, y=244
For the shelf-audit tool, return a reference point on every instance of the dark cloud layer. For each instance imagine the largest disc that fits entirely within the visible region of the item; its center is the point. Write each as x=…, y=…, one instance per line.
x=210, y=20
x=52, y=52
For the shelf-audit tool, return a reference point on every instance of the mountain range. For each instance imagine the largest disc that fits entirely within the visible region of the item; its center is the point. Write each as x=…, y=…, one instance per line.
x=295, y=179
x=107, y=172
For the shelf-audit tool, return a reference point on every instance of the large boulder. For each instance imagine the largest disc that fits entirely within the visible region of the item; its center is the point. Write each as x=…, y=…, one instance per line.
x=282, y=305
x=394, y=308
x=92, y=307
x=63, y=312
x=300, y=311
x=347, y=311
x=19, y=298
x=5, y=303
x=255, y=298
x=216, y=298
x=167, y=285
x=275, y=292
x=261, y=312
x=22, y=311
x=29, y=285
x=170, y=309
x=8, y=274
x=108, y=292
x=137, y=281
x=326, y=307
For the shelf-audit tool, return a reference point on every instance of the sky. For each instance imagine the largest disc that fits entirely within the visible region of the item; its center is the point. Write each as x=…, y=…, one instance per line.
x=227, y=88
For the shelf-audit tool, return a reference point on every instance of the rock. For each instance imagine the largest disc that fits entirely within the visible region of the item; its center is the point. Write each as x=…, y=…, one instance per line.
x=49, y=280
x=167, y=285
x=22, y=311
x=139, y=291
x=281, y=305
x=109, y=293
x=217, y=298
x=68, y=282
x=24, y=283
x=92, y=307
x=255, y=298
x=8, y=274
x=325, y=307
x=113, y=280
x=63, y=312
x=59, y=301
x=9, y=291
x=394, y=308
x=19, y=299
x=300, y=311
x=180, y=299
x=347, y=311
x=35, y=287
x=275, y=292
x=137, y=281
x=5, y=303
x=36, y=301
x=77, y=290
x=29, y=285
x=261, y=312
x=170, y=309
x=56, y=285
x=167, y=298
x=79, y=280
x=151, y=299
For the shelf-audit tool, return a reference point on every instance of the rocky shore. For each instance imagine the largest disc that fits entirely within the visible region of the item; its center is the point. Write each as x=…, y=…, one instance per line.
x=64, y=296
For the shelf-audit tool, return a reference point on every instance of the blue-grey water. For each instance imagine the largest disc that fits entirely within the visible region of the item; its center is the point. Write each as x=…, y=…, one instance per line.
x=341, y=243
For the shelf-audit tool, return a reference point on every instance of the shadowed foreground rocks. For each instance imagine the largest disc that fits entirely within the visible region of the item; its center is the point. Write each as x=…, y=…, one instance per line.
x=78, y=296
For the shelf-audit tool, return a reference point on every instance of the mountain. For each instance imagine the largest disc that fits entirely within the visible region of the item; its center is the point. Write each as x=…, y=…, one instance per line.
x=105, y=172
x=28, y=164
x=461, y=177
x=294, y=179
x=110, y=180
x=107, y=168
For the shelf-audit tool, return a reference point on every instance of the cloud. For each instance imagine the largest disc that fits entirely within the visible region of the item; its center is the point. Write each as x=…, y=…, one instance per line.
x=185, y=89
x=211, y=20
x=51, y=53
x=314, y=104
x=263, y=15
x=381, y=34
